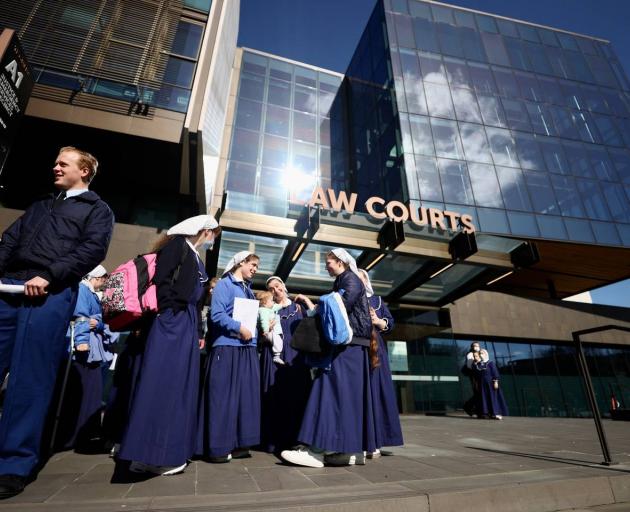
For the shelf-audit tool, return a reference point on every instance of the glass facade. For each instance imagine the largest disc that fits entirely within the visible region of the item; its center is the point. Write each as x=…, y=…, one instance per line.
x=529, y=127
x=537, y=379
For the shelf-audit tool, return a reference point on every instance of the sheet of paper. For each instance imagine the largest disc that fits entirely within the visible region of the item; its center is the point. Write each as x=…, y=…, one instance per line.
x=11, y=288
x=246, y=312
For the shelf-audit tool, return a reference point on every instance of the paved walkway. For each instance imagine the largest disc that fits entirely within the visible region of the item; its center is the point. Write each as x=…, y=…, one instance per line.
x=447, y=464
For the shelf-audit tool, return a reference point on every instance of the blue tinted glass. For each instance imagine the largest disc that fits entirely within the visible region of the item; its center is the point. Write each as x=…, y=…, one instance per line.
x=593, y=99
x=432, y=68
x=457, y=73
x=601, y=163
x=399, y=5
x=507, y=28
x=529, y=86
x=579, y=67
x=280, y=69
x=473, y=47
x=465, y=103
x=523, y=224
x=567, y=196
x=623, y=126
x=618, y=201
x=568, y=42
x=279, y=93
x=621, y=160
x=428, y=179
x=404, y=31
x=173, y=98
x=528, y=33
x=624, y=233
x=443, y=14
x=605, y=233
x=579, y=162
x=492, y=221
x=558, y=62
x=475, y=143
x=252, y=87
x=253, y=63
x=446, y=139
x=601, y=71
x=516, y=114
x=513, y=189
x=275, y=152
x=305, y=157
x=486, y=23
x=305, y=99
x=540, y=118
x=593, y=199
x=548, y=37
x=200, y=5
x=305, y=76
x=482, y=78
x=421, y=135
x=450, y=40
x=541, y=193
x=608, y=130
x=420, y=10
x=249, y=114
x=586, y=127
x=551, y=91
x=506, y=82
x=563, y=120
x=455, y=181
x=465, y=19
x=551, y=227
x=502, y=147
x=485, y=185
x=493, y=44
x=305, y=127
x=528, y=152
x=426, y=36
x=187, y=39
x=517, y=54
x=579, y=230
x=439, y=100
x=179, y=72
x=491, y=110
x=244, y=146
x=412, y=79
x=538, y=58
x=241, y=178
x=554, y=155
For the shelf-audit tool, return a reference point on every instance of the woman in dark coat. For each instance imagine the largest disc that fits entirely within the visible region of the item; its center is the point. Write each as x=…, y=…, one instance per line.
x=338, y=416
x=490, y=401
x=161, y=434
x=285, y=388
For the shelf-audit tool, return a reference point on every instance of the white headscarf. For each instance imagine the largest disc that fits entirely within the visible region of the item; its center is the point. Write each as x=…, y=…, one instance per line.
x=98, y=271
x=236, y=259
x=347, y=258
x=284, y=286
x=193, y=225
x=369, y=291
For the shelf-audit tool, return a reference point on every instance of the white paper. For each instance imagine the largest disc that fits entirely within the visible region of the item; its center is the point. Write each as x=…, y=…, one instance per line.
x=11, y=288
x=246, y=312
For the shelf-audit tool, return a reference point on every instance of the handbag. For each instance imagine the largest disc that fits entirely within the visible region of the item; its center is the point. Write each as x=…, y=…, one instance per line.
x=309, y=336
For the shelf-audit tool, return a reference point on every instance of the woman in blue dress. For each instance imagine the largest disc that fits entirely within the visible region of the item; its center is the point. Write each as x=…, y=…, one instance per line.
x=485, y=377
x=338, y=420
x=386, y=420
x=230, y=408
x=285, y=388
x=161, y=434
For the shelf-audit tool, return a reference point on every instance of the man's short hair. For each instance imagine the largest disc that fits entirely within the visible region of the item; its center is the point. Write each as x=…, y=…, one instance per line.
x=86, y=160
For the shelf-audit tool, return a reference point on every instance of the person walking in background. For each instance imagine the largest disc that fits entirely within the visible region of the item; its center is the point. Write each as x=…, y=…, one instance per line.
x=386, y=420
x=230, y=407
x=48, y=249
x=489, y=397
x=161, y=434
x=470, y=406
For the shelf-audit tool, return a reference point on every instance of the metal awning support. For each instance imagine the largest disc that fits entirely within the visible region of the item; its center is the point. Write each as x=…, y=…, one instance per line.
x=305, y=228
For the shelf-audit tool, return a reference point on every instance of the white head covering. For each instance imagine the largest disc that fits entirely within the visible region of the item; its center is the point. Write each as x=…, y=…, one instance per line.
x=193, y=225
x=272, y=278
x=98, y=271
x=368, y=284
x=347, y=258
x=236, y=259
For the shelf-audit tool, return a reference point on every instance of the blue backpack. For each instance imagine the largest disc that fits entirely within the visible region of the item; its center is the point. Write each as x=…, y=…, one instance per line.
x=335, y=323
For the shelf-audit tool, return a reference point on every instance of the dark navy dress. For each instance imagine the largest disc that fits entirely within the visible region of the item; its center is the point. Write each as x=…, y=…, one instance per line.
x=386, y=420
x=162, y=427
x=490, y=401
x=285, y=389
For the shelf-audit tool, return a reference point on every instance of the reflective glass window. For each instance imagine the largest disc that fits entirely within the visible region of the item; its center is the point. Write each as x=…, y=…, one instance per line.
x=605, y=233
x=624, y=233
x=507, y=28
x=554, y=155
x=482, y=79
x=241, y=178
x=618, y=202
x=426, y=35
x=450, y=39
x=607, y=130
x=305, y=157
x=502, y=147
x=475, y=143
x=578, y=159
x=528, y=152
x=404, y=31
x=497, y=54
x=414, y=89
x=199, y=5
x=523, y=224
x=601, y=71
x=623, y=125
x=528, y=33
x=305, y=99
x=579, y=230
x=275, y=152
x=465, y=102
x=304, y=76
x=465, y=19
x=567, y=196
x=421, y=135
x=568, y=42
x=491, y=110
x=615, y=104
x=513, y=189
x=420, y=10
x=455, y=181
x=563, y=120
x=249, y=114
x=529, y=86
x=593, y=99
x=446, y=139
x=572, y=94
x=485, y=185
x=551, y=90
x=279, y=93
x=541, y=119
x=538, y=58
x=305, y=127
x=601, y=163
x=187, y=39
x=473, y=47
x=439, y=100
x=551, y=227
x=281, y=70
x=432, y=68
x=179, y=72
x=457, y=73
x=558, y=62
x=548, y=37
x=492, y=221
x=486, y=23
x=505, y=82
x=578, y=66
x=269, y=188
x=586, y=127
x=593, y=199
x=442, y=14
x=244, y=146
x=516, y=114
x=428, y=179
x=399, y=5
x=254, y=63
x=517, y=54
x=621, y=160
x=540, y=192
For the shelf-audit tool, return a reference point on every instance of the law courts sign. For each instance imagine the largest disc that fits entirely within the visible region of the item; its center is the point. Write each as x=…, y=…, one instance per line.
x=16, y=84
x=378, y=208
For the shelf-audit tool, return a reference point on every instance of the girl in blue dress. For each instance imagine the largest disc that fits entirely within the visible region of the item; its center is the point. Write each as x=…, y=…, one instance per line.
x=485, y=377
x=230, y=415
x=386, y=420
x=285, y=388
x=161, y=434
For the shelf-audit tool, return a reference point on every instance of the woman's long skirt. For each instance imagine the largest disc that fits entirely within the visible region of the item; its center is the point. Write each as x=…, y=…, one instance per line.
x=339, y=415
x=162, y=427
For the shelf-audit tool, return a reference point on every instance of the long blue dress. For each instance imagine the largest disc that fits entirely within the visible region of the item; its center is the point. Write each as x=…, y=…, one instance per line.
x=162, y=427
x=386, y=420
x=285, y=389
x=490, y=401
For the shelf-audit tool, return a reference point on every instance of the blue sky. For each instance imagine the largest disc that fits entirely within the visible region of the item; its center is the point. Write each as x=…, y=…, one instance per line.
x=324, y=33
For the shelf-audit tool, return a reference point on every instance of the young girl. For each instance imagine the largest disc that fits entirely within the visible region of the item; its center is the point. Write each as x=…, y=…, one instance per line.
x=267, y=313
x=230, y=416
x=161, y=434
x=490, y=401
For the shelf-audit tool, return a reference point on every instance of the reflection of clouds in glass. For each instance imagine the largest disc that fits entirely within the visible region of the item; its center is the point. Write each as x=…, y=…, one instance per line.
x=439, y=100
x=446, y=137
x=502, y=147
x=428, y=179
x=475, y=143
x=421, y=135
x=465, y=105
x=485, y=185
x=414, y=92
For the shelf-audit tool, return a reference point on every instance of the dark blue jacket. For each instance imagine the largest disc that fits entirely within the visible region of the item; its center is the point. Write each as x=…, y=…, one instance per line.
x=356, y=302
x=61, y=244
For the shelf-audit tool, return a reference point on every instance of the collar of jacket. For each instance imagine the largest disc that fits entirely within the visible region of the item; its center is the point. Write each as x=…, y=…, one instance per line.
x=243, y=283
x=87, y=197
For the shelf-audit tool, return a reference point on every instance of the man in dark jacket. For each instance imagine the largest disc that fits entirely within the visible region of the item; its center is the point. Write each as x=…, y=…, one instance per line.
x=58, y=240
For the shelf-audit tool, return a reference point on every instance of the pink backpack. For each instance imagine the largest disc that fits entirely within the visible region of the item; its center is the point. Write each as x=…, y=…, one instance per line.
x=129, y=292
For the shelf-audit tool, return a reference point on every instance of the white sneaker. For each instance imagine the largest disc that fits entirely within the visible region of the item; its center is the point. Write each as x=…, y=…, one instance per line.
x=169, y=470
x=278, y=360
x=304, y=457
x=374, y=455
x=346, y=459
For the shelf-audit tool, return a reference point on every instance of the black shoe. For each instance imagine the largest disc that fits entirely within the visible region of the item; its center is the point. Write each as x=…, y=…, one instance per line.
x=11, y=485
x=241, y=453
x=220, y=460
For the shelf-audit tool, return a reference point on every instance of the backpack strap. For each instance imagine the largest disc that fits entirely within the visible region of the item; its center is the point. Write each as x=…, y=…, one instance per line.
x=179, y=266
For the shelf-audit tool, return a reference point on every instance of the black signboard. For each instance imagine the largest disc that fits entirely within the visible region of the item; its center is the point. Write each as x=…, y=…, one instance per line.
x=16, y=84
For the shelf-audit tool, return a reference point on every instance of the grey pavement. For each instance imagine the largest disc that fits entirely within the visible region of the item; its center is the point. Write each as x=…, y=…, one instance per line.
x=451, y=463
